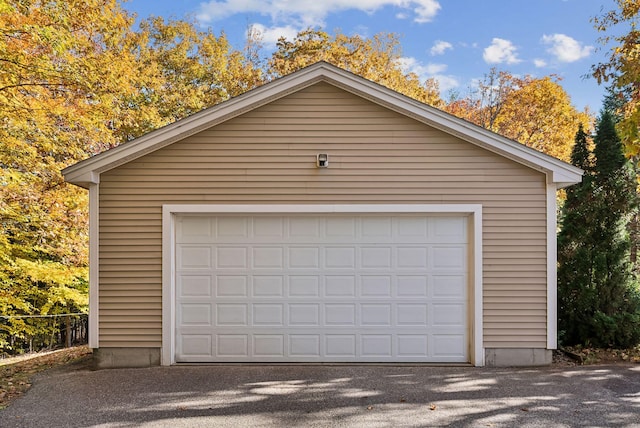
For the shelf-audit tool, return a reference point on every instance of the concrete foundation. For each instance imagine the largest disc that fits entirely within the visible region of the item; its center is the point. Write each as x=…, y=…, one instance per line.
x=106, y=358
x=510, y=357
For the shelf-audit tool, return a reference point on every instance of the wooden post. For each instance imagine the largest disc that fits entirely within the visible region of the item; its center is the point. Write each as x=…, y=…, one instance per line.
x=68, y=332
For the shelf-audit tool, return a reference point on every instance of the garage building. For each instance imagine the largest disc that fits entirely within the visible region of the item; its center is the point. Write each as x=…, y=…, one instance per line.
x=322, y=218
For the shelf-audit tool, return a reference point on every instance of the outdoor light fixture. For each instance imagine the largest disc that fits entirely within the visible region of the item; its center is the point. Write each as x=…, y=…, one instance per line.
x=322, y=160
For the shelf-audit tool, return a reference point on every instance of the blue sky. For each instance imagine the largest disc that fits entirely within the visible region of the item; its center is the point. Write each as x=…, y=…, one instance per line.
x=455, y=41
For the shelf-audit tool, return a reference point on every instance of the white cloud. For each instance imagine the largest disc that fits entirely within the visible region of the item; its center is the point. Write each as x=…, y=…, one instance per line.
x=539, y=63
x=446, y=83
x=428, y=71
x=426, y=10
x=565, y=48
x=306, y=13
x=269, y=36
x=500, y=51
x=439, y=47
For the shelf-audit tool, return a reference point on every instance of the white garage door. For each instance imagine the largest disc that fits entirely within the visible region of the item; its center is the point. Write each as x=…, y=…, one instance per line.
x=313, y=288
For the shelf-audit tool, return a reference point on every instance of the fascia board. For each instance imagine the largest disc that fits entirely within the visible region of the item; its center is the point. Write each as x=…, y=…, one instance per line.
x=191, y=125
x=560, y=172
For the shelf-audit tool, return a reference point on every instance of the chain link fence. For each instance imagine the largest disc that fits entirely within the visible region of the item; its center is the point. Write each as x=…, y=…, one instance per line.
x=42, y=332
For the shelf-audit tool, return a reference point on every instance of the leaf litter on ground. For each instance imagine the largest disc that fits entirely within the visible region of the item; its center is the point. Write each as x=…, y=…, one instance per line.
x=16, y=372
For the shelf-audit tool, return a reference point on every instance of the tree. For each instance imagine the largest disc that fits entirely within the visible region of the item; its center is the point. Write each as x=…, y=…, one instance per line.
x=539, y=114
x=377, y=59
x=56, y=77
x=536, y=112
x=181, y=71
x=599, y=301
x=575, y=292
x=75, y=80
x=484, y=105
x=622, y=70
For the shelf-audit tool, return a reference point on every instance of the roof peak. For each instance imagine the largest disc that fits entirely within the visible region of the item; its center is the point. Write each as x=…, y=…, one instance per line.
x=88, y=171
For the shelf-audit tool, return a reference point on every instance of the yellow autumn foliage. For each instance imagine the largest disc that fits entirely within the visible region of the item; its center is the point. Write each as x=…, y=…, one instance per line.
x=536, y=112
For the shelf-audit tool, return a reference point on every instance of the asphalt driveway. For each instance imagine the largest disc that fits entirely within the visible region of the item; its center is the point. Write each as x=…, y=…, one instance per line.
x=367, y=396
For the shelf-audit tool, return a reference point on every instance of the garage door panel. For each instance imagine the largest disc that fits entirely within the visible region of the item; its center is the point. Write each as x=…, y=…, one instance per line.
x=339, y=314
x=377, y=227
x=235, y=258
x=194, y=257
x=448, y=314
x=304, y=228
x=268, y=286
x=340, y=258
x=194, y=229
x=304, y=286
x=412, y=228
x=304, y=257
x=232, y=346
x=304, y=345
x=448, y=345
x=376, y=258
x=195, y=347
x=449, y=286
x=304, y=314
x=412, y=314
x=452, y=257
x=341, y=228
x=376, y=345
x=194, y=314
x=375, y=314
x=232, y=314
x=268, y=345
x=451, y=229
x=232, y=286
x=312, y=345
x=269, y=314
x=268, y=227
x=321, y=288
x=268, y=258
x=376, y=286
x=339, y=286
x=230, y=227
x=412, y=345
x=412, y=285
x=195, y=285
x=412, y=257
x=340, y=345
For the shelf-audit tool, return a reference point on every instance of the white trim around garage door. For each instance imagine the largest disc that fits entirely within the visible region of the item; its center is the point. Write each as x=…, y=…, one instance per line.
x=169, y=213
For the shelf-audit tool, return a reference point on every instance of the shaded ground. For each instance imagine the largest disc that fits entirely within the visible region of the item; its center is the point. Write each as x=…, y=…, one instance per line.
x=16, y=372
x=371, y=396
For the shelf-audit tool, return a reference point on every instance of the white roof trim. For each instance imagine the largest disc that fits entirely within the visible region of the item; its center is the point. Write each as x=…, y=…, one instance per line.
x=88, y=171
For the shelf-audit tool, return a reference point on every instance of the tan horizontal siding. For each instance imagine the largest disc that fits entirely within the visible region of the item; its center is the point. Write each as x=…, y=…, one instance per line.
x=375, y=156
x=123, y=314
x=515, y=341
x=148, y=188
x=222, y=174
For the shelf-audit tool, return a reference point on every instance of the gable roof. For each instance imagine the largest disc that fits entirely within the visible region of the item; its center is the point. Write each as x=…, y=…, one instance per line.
x=88, y=171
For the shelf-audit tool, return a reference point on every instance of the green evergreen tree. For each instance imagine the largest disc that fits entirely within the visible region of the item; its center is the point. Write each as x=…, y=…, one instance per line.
x=598, y=298
x=575, y=291
x=614, y=101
